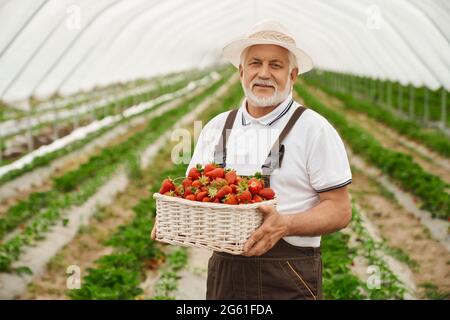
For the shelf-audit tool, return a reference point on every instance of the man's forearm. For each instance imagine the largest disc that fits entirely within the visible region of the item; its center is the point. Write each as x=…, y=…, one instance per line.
x=326, y=217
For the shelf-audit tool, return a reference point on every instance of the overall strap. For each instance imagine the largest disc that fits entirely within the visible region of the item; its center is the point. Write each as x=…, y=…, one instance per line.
x=276, y=153
x=220, y=152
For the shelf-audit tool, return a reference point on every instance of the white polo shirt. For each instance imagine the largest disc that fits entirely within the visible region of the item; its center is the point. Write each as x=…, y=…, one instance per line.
x=314, y=159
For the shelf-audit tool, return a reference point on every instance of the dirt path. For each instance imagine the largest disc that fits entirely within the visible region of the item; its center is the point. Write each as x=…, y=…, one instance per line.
x=192, y=285
x=430, y=261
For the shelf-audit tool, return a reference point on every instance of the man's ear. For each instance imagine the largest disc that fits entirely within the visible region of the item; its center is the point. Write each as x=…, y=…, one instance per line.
x=241, y=71
x=294, y=74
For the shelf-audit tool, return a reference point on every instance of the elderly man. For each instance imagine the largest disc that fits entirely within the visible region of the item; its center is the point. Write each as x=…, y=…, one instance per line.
x=302, y=158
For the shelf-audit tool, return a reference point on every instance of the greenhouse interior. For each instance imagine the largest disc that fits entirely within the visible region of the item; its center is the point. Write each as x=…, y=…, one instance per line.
x=115, y=131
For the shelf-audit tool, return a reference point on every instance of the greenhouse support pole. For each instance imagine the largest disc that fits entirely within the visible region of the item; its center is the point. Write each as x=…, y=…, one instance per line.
x=106, y=106
x=389, y=94
x=2, y=140
x=373, y=86
x=444, y=108
x=347, y=83
x=90, y=105
x=116, y=101
x=76, y=120
x=400, y=98
x=352, y=84
x=360, y=86
x=380, y=90
x=366, y=87
x=411, y=101
x=426, y=106
x=29, y=126
x=55, y=120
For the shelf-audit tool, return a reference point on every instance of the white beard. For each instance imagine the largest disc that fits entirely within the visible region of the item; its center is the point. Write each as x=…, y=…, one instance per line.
x=276, y=98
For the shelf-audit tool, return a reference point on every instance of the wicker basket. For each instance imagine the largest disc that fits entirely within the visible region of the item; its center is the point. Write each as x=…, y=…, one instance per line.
x=217, y=226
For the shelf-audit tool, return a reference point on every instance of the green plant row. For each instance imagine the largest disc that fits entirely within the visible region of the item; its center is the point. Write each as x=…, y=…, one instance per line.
x=390, y=287
x=400, y=167
x=168, y=282
x=376, y=90
x=339, y=283
x=49, y=157
x=108, y=109
x=432, y=139
x=45, y=218
x=98, y=167
x=98, y=93
x=68, y=182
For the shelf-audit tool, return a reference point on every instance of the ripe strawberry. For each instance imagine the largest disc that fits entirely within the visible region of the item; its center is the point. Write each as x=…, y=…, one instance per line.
x=167, y=185
x=195, y=172
x=219, y=182
x=215, y=173
x=206, y=199
x=190, y=197
x=245, y=196
x=267, y=193
x=233, y=188
x=209, y=167
x=188, y=191
x=223, y=191
x=187, y=183
x=230, y=199
x=257, y=198
x=196, y=184
x=199, y=196
x=216, y=200
x=254, y=185
x=230, y=176
x=259, y=177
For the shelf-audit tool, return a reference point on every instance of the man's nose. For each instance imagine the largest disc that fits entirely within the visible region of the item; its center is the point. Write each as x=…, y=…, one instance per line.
x=264, y=72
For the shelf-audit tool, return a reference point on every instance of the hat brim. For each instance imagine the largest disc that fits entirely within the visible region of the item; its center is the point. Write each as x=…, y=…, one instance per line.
x=232, y=52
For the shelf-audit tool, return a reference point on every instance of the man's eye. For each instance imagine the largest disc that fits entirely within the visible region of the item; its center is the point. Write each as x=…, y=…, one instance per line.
x=276, y=66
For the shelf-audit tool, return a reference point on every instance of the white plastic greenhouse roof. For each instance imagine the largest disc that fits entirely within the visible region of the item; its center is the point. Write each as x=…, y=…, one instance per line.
x=65, y=46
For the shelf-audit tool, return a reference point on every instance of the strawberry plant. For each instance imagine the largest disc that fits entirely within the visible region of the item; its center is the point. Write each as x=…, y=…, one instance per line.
x=401, y=168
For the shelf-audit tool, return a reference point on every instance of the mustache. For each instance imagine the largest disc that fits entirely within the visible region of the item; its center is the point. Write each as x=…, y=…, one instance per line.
x=263, y=83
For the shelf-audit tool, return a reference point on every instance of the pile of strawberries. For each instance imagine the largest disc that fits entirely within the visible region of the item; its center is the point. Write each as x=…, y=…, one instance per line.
x=215, y=184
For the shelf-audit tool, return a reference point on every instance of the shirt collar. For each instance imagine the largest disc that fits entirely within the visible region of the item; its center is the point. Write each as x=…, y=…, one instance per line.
x=269, y=118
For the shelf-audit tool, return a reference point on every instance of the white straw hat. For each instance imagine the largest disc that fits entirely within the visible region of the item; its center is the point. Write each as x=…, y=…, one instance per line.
x=267, y=32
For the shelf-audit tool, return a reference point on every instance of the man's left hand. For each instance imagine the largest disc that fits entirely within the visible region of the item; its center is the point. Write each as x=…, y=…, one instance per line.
x=273, y=228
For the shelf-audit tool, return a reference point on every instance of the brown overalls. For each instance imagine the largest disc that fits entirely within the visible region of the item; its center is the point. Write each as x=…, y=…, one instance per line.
x=284, y=272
